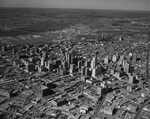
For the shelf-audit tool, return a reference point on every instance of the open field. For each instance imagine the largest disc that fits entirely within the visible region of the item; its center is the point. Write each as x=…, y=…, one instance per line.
x=16, y=22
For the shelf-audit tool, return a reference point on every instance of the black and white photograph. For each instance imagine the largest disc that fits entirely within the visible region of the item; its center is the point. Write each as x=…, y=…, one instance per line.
x=74, y=59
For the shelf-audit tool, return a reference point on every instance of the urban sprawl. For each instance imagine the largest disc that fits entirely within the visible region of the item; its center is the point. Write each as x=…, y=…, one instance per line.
x=76, y=79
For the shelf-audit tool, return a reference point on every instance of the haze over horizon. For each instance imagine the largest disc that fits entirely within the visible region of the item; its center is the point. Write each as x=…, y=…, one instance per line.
x=140, y=5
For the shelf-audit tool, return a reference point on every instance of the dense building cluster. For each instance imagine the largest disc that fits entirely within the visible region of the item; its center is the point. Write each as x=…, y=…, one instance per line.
x=78, y=79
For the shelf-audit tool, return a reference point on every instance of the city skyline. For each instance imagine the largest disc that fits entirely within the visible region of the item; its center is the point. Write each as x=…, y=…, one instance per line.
x=140, y=5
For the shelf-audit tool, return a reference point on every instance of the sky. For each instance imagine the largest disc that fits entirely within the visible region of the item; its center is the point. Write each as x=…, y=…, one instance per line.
x=82, y=4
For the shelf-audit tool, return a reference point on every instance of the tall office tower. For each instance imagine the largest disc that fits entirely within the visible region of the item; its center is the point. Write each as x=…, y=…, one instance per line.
x=58, y=63
x=69, y=58
x=75, y=60
x=117, y=55
x=44, y=54
x=72, y=68
x=88, y=72
x=66, y=56
x=131, y=69
x=49, y=65
x=79, y=64
x=94, y=63
x=88, y=63
x=42, y=61
x=96, y=71
x=82, y=70
x=65, y=65
x=132, y=79
x=30, y=67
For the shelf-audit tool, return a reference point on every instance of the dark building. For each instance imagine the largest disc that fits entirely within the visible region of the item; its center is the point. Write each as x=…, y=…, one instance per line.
x=82, y=70
x=69, y=58
x=88, y=72
x=42, y=90
x=50, y=85
x=88, y=63
x=60, y=102
x=30, y=67
x=131, y=69
x=79, y=64
x=49, y=66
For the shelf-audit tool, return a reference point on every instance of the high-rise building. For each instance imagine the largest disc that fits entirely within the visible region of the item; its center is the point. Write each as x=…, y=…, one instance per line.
x=88, y=63
x=88, y=72
x=132, y=79
x=64, y=64
x=42, y=69
x=102, y=90
x=30, y=67
x=79, y=64
x=124, y=63
x=96, y=71
x=82, y=70
x=44, y=54
x=72, y=68
x=69, y=58
x=131, y=69
x=58, y=63
x=49, y=65
x=94, y=62
x=39, y=68
x=75, y=60
x=42, y=61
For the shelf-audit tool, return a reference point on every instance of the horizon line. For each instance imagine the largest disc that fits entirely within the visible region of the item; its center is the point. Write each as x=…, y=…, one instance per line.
x=76, y=9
